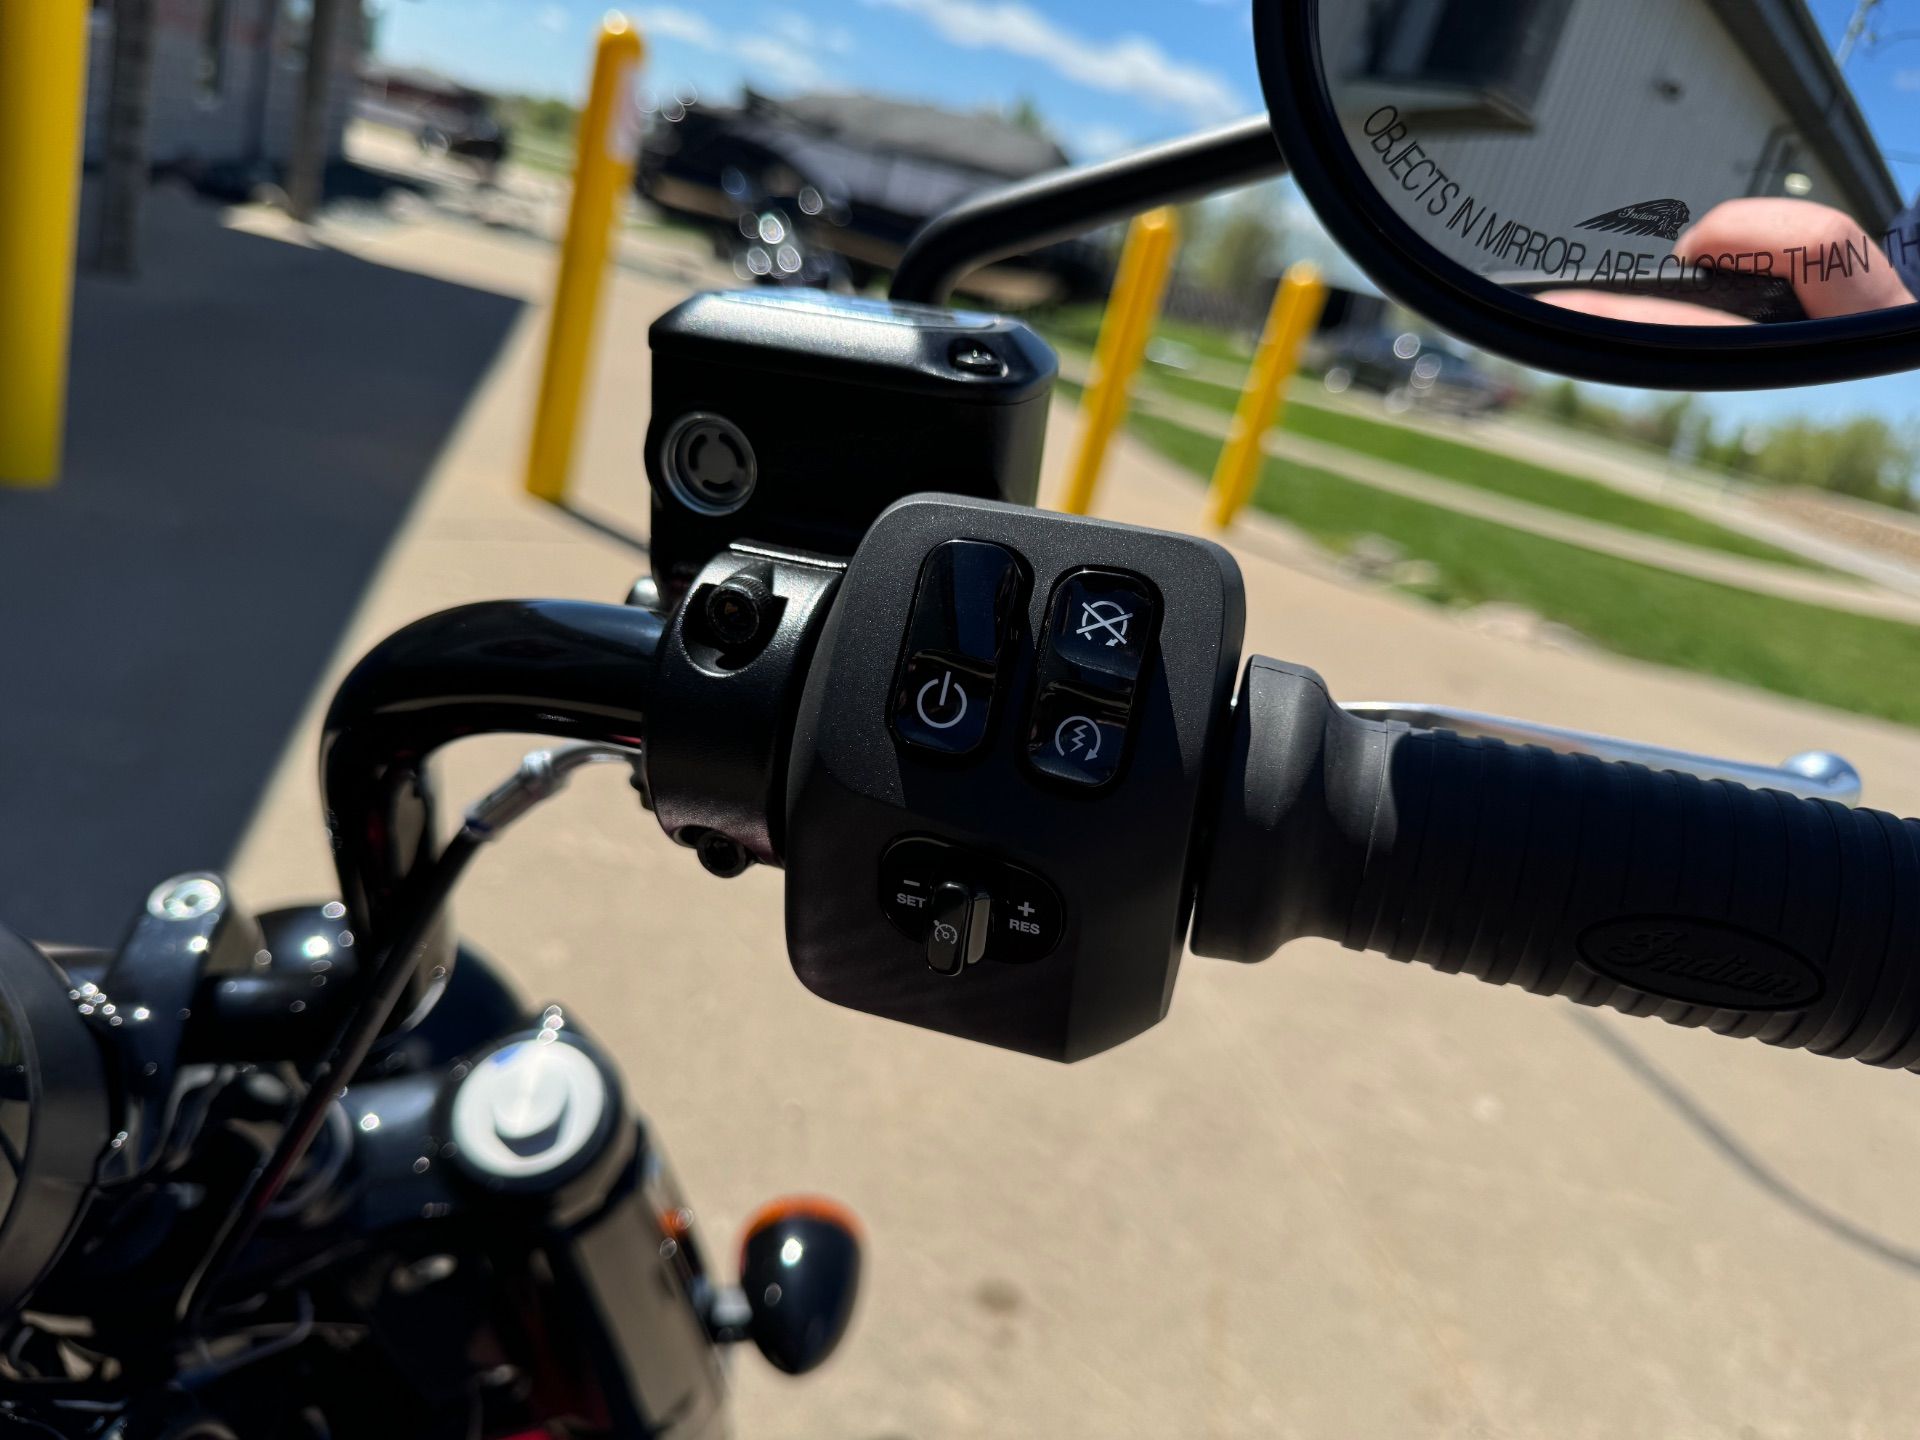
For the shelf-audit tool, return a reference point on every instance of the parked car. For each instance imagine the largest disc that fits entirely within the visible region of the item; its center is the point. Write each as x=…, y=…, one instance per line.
x=445, y=117
x=1410, y=369
x=862, y=174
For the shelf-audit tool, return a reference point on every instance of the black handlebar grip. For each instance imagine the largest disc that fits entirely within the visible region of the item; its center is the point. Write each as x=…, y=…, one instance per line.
x=1750, y=912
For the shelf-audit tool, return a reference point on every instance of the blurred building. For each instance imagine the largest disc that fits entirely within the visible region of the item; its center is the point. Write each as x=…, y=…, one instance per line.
x=866, y=171
x=227, y=77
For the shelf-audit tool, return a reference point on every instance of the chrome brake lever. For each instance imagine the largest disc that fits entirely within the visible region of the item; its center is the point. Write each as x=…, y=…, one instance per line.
x=1812, y=774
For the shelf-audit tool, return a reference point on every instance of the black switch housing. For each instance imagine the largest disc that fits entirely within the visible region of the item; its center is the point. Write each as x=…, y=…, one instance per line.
x=1085, y=958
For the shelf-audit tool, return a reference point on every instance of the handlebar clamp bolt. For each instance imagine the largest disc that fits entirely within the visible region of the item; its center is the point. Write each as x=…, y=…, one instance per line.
x=722, y=855
x=739, y=611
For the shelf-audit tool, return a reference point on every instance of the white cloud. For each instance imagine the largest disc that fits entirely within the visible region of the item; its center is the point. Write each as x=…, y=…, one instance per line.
x=776, y=54
x=1128, y=65
x=665, y=22
x=797, y=30
x=773, y=59
x=1100, y=142
x=552, y=19
x=1907, y=80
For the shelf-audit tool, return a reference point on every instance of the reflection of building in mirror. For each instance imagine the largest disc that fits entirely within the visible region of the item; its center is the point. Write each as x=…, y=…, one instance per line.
x=1571, y=143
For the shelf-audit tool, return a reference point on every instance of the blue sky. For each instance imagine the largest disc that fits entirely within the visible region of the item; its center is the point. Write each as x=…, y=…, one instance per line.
x=1886, y=80
x=1107, y=74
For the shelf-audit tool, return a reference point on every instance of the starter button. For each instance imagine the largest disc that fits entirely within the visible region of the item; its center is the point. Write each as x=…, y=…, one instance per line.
x=1077, y=739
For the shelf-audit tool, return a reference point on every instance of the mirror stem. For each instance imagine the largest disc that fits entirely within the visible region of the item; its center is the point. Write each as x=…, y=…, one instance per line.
x=1065, y=203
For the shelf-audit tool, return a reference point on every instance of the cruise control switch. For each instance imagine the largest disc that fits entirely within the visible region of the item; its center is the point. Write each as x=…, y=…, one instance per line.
x=958, y=934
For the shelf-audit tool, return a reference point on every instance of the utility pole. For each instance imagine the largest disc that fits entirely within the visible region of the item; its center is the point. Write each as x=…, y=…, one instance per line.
x=306, y=171
x=1856, y=27
x=127, y=166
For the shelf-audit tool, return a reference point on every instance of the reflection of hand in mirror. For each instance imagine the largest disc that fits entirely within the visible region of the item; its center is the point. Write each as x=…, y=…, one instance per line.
x=1834, y=266
x=1640, y=309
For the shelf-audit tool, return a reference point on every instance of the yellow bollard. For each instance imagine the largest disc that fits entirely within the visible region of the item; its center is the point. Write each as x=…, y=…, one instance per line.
x=43, y=88
x=1138, y=289
x=1297, y=303
x=603, y=168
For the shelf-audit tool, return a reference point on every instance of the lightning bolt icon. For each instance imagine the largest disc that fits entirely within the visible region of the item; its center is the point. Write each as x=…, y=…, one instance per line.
x=1077, y=734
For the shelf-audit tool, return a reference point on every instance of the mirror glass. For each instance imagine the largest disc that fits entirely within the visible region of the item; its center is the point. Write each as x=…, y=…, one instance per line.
x=1667, y=161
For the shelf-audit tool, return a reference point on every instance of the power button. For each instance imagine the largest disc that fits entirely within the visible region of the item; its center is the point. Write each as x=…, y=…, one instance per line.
x=942, y=705
x=966, y=608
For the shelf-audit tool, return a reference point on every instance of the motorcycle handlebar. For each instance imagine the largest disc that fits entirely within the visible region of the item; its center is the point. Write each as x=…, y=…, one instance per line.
x=1750, y=912
x=569, y=669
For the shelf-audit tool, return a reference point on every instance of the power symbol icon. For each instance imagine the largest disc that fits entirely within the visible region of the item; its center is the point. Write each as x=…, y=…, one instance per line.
x=951, y=702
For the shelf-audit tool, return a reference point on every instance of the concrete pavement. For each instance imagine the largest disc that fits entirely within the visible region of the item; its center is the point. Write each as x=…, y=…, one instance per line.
x=1330, y=1196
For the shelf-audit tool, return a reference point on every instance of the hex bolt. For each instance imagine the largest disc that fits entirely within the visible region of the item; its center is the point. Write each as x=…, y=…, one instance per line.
x=185, y=897
x=970, y=357
x=722, y=855
x=739, y=610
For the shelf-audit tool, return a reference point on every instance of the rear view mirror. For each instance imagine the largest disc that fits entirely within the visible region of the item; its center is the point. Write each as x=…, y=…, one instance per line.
x=1683, y=195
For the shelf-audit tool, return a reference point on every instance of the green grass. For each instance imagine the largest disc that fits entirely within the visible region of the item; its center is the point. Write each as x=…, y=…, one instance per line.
x=1078, y=326
x=1486, y=469
x=547, y=163
x=542, y=152
x=1854, y=662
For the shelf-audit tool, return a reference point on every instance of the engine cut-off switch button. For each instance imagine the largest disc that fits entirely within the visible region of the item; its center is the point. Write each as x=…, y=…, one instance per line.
x=957, y=936
x=967, y=609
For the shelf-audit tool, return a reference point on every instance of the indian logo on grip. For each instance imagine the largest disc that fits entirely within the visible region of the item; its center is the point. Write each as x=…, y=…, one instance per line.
x=1700, y=962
